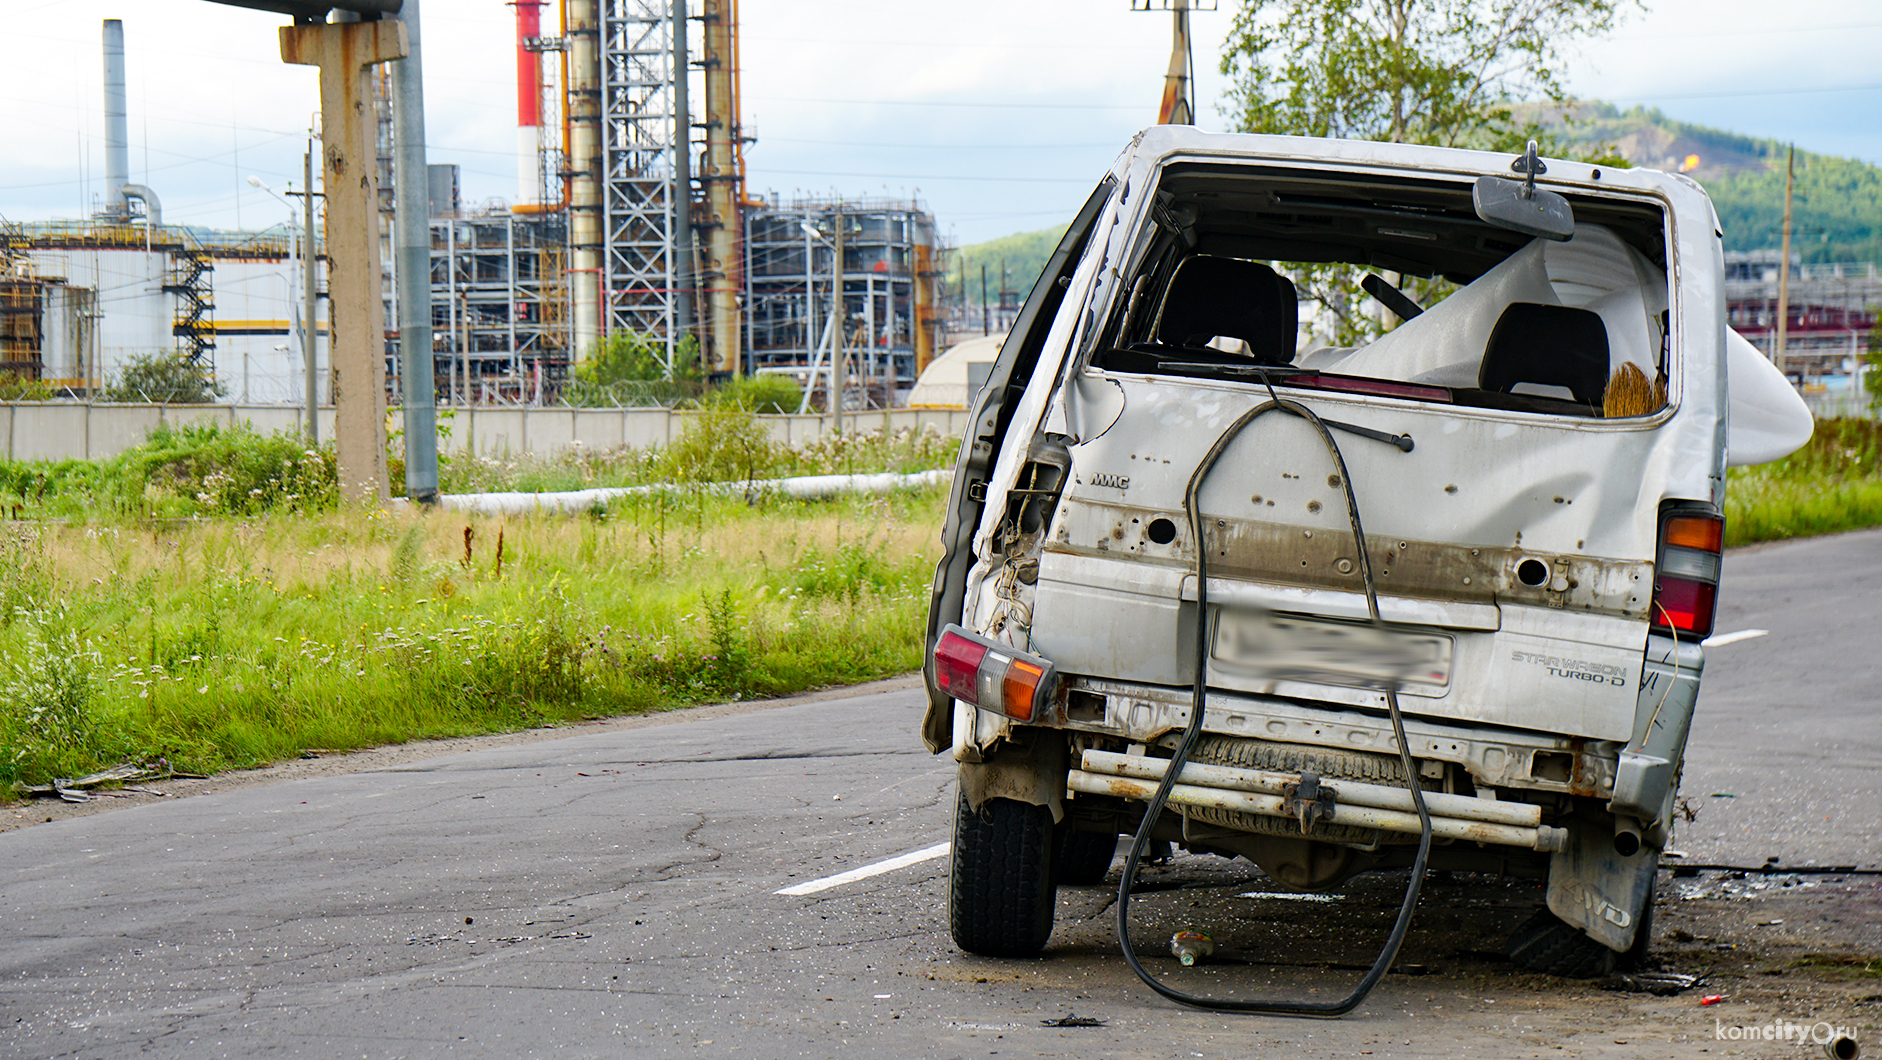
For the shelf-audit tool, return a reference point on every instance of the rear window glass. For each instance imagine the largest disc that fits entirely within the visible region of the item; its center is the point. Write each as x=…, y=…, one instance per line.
x=1394, y=287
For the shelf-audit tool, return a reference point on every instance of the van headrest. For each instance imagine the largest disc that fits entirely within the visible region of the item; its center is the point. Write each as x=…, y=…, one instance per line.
x=1211, y=296
x=1549, y=345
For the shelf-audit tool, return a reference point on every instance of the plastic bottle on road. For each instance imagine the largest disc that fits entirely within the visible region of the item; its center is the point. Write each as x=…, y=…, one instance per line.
x=1190, y=946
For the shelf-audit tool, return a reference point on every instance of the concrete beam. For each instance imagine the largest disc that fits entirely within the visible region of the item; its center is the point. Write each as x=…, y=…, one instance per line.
x=343, y=51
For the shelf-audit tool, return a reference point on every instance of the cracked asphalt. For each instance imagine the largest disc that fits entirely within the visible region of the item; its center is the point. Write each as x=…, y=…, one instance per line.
x=610, y=891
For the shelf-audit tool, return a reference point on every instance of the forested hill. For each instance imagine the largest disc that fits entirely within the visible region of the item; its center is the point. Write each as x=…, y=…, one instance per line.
x=1836, y=208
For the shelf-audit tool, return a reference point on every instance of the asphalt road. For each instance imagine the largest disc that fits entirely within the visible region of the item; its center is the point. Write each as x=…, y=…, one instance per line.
x=616, y=893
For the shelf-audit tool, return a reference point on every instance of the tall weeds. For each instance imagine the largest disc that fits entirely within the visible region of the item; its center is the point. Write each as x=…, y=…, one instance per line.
x=232, y=642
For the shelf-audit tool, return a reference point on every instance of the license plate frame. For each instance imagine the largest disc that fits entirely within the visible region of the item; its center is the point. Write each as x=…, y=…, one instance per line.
x=1314, y=650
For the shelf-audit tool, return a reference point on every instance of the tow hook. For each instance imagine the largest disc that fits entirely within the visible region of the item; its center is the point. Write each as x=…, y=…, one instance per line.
x=1307, y=801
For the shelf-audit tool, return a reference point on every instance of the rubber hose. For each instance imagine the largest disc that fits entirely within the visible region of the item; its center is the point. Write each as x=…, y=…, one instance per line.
x=1193, y=730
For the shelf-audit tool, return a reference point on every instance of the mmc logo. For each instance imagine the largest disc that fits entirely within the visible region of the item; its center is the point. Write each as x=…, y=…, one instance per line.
x=1116, y=482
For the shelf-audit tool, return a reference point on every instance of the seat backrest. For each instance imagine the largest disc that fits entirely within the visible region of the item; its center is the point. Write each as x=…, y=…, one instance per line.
x=1549, y=345
x=1211, y=296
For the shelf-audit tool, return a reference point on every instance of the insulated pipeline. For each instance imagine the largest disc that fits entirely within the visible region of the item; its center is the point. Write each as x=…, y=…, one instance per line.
x=1198, y=712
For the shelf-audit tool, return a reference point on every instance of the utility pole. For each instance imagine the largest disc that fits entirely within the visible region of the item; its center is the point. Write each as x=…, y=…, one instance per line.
x=1179, y=84
x=1784, y=266
x=986, y=311
x=344, y=51
x=310, y=260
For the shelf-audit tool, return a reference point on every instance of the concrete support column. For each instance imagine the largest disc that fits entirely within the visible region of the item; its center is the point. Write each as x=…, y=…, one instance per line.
x=343, y=51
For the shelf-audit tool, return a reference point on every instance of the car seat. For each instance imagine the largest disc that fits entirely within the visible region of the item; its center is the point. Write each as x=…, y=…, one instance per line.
x=1547, y=345
x=1211, y=296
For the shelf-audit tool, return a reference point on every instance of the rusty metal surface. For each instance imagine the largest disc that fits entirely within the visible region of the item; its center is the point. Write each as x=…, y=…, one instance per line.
x=1283, y=554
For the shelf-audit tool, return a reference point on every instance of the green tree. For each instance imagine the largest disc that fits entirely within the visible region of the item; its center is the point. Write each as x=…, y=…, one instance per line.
x=630, y=369
x=1442, y=72
x=170, y=378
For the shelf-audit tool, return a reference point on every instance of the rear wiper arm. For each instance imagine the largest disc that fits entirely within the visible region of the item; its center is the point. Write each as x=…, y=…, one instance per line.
x=1402, y=441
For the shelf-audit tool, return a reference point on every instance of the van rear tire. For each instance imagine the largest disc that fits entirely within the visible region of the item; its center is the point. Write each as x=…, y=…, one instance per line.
x=1000, y=888
x=1547, y=945
x=1083, y=858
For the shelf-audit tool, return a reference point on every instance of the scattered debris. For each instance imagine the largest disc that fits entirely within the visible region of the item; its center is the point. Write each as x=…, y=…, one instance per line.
x=1659, y=984
x=1072, y=1021
x=1711, y=999
x=77, y=790
x=1190, y=946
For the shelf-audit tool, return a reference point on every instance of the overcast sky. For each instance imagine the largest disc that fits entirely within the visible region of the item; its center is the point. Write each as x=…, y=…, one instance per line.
x=998, y=114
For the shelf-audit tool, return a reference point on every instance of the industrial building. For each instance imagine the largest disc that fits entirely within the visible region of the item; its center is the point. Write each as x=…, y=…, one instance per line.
x=631, y=214
x=1831, y=310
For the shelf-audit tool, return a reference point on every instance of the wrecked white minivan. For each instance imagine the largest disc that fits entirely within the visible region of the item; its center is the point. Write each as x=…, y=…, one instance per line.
x=1494, y=528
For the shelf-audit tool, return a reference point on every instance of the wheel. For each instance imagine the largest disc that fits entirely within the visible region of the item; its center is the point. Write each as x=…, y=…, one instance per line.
x=1083, y=858
x=1000, y=888
x=1547, y=945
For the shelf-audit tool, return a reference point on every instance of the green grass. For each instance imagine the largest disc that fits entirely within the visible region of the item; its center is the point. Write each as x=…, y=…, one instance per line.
x=1830, y=485
x=235, y=642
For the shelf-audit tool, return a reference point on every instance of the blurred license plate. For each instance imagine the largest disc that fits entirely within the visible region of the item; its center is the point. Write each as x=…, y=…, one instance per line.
x=1286, y=648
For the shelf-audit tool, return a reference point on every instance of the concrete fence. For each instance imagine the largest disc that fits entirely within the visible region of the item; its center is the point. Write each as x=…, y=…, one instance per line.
x=66, y=430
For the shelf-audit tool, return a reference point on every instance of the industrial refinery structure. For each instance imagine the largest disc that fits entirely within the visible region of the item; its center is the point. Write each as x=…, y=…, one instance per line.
x=631, y=214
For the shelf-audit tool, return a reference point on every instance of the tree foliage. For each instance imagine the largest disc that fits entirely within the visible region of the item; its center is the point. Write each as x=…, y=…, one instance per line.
x=170, y=378
x=1440, y=72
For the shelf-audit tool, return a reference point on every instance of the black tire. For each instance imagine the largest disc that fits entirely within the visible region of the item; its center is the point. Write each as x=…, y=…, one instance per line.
x=1000, y=891
x=1546, y=945
x=1637, y=955
x=1083, y=858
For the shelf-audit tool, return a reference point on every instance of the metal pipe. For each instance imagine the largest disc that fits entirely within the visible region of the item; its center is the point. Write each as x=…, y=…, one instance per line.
x=584, y=106
x=1269, y=782
x=117, y=136
x=724, y=178
x=412, y=253
x=685, y=275
x=1541, y=838
x=153, y=208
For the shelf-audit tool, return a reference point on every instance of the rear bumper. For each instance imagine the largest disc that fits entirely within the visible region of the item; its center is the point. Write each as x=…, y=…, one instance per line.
x=1359, y=805
x=1494, y=757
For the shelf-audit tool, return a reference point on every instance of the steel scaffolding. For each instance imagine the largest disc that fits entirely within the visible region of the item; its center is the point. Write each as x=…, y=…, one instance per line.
x=499, y=332
x=638, y=266
x=887, y=244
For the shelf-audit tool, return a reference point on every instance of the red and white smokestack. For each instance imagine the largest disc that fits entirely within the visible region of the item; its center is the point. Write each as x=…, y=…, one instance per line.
x=528, y=102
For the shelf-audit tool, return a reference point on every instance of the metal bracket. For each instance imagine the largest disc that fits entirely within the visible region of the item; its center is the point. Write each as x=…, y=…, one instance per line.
x=977, y=491
x=1307, y=801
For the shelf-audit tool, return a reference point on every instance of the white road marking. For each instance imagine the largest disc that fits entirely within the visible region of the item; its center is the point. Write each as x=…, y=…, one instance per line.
x=913, y=857
x=1732, y=638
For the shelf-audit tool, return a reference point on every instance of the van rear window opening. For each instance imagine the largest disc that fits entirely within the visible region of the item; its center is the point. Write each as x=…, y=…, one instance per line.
x=1394, y=287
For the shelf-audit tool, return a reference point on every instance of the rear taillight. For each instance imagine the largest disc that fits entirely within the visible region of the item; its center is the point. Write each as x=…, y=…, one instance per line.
x=990, y=675
x=1686, y=579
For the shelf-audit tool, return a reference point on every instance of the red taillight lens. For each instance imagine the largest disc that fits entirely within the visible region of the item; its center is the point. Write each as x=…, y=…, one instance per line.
x=1686, y=581
x=990, y=675
x=957, y=665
